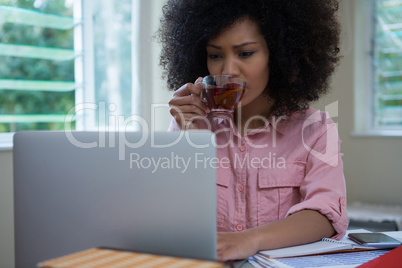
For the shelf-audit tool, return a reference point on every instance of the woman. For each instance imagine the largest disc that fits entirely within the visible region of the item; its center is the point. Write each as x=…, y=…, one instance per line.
x=280, y=179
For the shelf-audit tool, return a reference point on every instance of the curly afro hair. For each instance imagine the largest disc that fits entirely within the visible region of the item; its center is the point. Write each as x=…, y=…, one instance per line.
x=302, y=38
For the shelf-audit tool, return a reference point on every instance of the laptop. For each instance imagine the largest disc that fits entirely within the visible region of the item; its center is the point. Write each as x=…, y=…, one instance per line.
x=144, y=192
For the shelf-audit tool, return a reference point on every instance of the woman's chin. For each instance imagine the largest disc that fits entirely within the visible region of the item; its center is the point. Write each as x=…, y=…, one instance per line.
x=242, y=104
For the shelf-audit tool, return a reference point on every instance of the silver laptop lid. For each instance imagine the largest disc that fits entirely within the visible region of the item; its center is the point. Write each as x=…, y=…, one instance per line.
x=146, y=192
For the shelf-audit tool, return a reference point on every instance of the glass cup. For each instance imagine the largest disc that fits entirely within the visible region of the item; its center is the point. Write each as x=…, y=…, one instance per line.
x=222, y=93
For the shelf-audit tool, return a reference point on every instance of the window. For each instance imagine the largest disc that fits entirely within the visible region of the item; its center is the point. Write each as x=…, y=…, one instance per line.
x=387, y=64
x=377, y=59
x=108, y=59
x=37, y=55
x=70, y=64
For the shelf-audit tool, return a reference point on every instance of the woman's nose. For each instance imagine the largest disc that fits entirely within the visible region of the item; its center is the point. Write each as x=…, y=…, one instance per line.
x=230, y=67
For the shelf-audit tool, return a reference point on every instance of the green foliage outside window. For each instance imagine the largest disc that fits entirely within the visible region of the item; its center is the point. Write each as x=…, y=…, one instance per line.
x=35, y=102
x=387, y=63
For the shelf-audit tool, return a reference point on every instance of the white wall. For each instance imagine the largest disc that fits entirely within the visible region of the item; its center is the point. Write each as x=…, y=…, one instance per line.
x=154, y=104
x=373, y=167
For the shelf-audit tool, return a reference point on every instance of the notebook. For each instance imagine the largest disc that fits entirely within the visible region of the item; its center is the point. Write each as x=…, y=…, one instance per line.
x=319, y=254
x=338, y=260
x=325, y=245
x=145, y=192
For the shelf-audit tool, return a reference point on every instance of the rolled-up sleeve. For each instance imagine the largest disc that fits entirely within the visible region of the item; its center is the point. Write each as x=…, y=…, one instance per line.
x=323, y=188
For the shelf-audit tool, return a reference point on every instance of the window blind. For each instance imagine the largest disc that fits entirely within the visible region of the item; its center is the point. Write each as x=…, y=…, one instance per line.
x=387, y=64
x=37, y=85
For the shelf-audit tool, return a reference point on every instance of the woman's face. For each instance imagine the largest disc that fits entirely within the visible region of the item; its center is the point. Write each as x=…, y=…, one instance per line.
x=241, y=51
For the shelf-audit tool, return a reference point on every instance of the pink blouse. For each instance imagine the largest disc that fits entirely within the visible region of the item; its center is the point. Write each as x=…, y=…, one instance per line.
x=288, y=165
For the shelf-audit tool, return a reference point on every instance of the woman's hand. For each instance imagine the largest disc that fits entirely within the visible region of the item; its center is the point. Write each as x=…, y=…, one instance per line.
x=305, y=226
x=186, y=105
x=237, y=245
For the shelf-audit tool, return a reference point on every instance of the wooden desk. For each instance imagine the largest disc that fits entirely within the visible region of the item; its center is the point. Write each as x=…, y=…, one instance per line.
x=101, y=257
x=110, y=258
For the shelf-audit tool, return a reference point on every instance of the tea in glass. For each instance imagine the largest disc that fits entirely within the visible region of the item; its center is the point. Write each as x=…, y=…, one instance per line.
x=222, y=93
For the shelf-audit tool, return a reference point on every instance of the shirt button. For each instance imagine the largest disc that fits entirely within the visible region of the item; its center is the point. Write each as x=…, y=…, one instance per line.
x=239, y=227
x=242, y=148
x=240, y=188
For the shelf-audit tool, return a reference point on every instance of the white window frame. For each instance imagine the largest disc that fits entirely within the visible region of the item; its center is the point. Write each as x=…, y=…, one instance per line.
x=363, y=84
x=6, y=139
x=84, y=66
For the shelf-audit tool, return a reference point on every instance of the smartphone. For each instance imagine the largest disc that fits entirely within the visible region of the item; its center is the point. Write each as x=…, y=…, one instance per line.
x=378, y=240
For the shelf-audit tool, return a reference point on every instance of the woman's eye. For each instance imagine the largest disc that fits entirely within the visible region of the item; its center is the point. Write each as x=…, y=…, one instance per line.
x=213, y=56
x=246, y=54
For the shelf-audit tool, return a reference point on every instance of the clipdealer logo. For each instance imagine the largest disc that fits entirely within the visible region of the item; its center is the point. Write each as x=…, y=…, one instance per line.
x=331, y=149
x=115, y=135
x=200, y=160
x=327, y=153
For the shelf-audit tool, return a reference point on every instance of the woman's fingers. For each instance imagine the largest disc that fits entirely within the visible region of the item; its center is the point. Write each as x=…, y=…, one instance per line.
x=189, y=103
x=188, y=108
x=186, y=116
x=186, y=105
x=188, y=99
x=199, y=79
x=188, y=89
x=187, y=120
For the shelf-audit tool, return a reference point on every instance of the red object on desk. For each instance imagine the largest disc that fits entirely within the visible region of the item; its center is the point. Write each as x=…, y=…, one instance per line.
x=392, y=259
